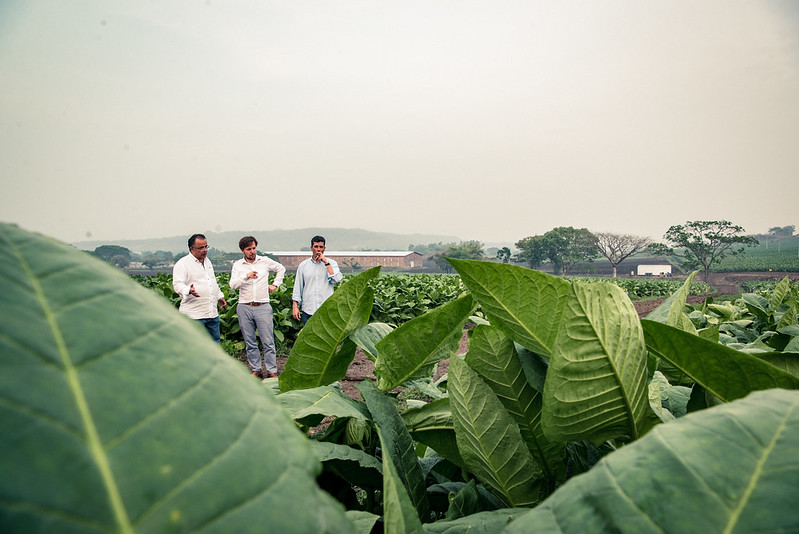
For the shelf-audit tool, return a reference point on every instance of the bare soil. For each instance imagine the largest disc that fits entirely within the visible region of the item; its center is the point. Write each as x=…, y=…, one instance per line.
x=362, y=367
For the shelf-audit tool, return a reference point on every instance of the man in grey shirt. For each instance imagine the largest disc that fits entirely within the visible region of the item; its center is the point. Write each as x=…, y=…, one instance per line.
x=314, y=283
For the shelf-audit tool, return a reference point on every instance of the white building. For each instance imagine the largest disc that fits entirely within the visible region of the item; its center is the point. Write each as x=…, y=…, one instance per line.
x=654, y=270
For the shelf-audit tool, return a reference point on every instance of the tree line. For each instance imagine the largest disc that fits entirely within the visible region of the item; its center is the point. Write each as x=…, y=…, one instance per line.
x=693, y=245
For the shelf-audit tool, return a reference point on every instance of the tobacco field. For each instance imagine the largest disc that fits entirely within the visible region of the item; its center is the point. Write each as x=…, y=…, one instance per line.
x=567, y=414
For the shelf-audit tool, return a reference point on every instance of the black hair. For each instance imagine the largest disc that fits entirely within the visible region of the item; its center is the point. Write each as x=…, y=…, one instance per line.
x=194, y=238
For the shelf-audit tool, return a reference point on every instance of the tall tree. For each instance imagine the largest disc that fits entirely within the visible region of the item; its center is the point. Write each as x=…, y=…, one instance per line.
x=504, y=254
x=618, y=247
x=700, y=244
x=782, y=231
x=563, y=246
x=106, y=252
x=466, y=250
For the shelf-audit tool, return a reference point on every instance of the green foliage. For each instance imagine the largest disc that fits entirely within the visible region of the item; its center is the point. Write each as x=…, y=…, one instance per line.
x=504, y=254
x=782, y=230
x=107, y=252
x=563, y=247
x=729, y=469
x=778, y=254
x=562, y=376
x=401, y=297
x=119, y=414
x=700, y=244
x=646, y=288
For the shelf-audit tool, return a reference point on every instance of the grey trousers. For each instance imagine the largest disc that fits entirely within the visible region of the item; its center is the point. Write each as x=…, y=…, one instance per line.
x=260, y=318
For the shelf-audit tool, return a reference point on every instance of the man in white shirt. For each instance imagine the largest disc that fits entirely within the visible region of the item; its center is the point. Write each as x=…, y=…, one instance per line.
x=193, y=279
x=250, y=275
x=315, y=281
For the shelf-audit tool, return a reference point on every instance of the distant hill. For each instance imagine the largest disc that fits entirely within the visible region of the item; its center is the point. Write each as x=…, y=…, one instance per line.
x=340, y=239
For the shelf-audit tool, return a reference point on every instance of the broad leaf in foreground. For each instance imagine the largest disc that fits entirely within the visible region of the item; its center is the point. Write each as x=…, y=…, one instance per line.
x=119, y=414
x=315, y=359
x=411, y=350
x=494, y=357
x=596, y=386
x=489, y=439
x=527, y=305
x=397, y=446
x=685, y=477
x=722, y=371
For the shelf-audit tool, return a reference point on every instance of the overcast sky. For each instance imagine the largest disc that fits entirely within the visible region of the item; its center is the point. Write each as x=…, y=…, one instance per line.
x=489, y=120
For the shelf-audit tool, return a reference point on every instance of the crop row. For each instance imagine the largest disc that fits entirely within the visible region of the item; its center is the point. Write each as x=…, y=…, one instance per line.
x=638, y=289
x=567, y=414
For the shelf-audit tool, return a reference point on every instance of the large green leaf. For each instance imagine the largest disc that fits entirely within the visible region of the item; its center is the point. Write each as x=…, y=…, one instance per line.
x=367, y=336
x=411, y=350
x=672, y=307
x=493, y=356
x=527, y=305
x=397, y=446
x=489, y=440
x=732, y=468
x=310, y=406
x=479, y=523
x=780, y=291
x=357, y=467
x=432, y=425
x=724, y=372
x=677, y=317
x=596, y=386
x=399, y=515
x=119, y=414
x=315, y=359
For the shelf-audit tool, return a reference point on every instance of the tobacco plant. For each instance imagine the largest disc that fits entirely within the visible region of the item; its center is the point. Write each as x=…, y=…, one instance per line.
x=567, y=414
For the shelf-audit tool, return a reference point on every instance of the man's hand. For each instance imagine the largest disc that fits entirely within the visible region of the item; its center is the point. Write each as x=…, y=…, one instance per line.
x=295, y=311
x=252, y=274
x=222, y=302
x=193, y=291
x=272, y=288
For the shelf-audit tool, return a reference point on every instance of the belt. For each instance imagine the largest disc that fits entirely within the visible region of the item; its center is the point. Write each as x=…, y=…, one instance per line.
x=254, y=303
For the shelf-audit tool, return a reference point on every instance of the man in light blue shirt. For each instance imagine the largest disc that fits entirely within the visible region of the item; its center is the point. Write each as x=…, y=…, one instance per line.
x=314, y=283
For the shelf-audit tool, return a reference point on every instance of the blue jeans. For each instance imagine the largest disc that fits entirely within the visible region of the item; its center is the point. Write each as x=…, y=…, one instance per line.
x=252, y=318
x=212, y=325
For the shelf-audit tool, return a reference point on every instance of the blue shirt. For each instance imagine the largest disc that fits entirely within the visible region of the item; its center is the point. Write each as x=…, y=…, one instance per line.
x=313, y=284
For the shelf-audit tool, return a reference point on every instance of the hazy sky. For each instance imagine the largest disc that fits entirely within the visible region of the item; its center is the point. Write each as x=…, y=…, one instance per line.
x=489, y=120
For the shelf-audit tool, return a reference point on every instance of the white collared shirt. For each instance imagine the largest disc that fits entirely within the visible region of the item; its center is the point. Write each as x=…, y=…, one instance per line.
x=189, y=271
x=255, y=289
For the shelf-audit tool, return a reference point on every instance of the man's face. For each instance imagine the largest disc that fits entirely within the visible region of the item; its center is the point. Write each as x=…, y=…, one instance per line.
x=317, y=248
x=249, y=252
x=200, y=249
